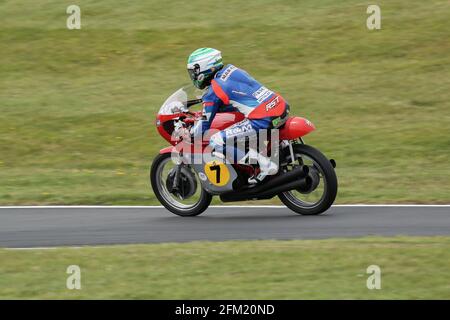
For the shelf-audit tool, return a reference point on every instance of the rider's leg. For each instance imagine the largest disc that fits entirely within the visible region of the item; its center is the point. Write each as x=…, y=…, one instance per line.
x=266, y=164
x=223, y=142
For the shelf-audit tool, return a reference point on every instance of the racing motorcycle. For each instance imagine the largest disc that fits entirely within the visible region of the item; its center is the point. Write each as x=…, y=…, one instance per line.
x=305, y=182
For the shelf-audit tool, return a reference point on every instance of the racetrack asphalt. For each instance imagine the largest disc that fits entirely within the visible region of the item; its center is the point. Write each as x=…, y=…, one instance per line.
x=64, y=226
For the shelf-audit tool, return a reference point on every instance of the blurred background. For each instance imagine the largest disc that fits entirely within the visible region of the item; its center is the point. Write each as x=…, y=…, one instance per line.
x=77, y=107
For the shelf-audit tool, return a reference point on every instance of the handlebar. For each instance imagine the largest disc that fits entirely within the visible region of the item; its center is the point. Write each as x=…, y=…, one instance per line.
x=190, y=103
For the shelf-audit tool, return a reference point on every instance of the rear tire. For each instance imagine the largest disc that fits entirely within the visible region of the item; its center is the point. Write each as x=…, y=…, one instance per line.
x=196, y=209
x=330, y=189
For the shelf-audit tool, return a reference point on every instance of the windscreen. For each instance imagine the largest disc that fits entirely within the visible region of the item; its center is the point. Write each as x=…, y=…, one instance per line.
x=177, y=102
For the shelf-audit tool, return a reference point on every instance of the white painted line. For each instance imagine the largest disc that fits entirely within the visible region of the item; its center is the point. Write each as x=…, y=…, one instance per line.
x=36, y=248
x=57, y=247
x=231, y=206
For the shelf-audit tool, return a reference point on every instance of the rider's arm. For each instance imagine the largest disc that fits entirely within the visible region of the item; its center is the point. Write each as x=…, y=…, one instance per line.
x=211, y=105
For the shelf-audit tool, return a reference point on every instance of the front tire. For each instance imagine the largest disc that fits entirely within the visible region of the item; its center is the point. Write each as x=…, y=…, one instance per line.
x=169, y=200
x=329, y=178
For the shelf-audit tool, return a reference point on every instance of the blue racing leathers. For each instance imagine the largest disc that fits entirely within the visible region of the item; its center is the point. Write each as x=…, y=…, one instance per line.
x=233, y=89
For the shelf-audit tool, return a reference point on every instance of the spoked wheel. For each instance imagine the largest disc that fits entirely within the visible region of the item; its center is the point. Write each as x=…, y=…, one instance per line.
x=186, y=198
x=320, y=192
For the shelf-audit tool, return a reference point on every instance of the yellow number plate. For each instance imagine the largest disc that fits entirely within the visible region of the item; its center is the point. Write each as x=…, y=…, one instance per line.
x=217, y=173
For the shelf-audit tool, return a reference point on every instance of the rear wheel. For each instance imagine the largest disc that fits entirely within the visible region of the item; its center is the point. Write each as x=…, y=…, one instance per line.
x=320, y=193
x=189, y=198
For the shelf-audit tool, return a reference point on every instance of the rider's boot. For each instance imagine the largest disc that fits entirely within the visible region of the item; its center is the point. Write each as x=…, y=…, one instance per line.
x=266, y=166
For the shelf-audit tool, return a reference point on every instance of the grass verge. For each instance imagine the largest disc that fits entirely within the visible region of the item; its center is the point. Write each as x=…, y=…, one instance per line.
x=411, y=268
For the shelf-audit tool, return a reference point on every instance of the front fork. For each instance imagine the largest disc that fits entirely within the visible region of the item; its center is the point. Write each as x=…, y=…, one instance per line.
x=178, y=164
x=176, y=177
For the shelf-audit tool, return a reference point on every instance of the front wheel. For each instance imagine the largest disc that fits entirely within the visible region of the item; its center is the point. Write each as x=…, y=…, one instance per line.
x=188, y=198
x=321, y=192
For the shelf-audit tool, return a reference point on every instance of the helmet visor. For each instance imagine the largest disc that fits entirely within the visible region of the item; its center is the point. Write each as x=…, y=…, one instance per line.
x=192, y=74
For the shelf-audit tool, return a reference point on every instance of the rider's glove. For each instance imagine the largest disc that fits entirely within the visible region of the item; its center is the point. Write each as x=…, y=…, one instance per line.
x=180, y=131
x=177, y=107
x=196, y=129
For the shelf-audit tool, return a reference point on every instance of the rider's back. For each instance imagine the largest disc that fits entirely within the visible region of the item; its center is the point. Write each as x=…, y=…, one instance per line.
x=236, y=87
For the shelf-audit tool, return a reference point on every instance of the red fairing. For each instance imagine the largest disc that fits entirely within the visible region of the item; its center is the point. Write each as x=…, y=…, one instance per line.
x=166, y=150
x=225, y=119
x=221, y=121
x=296, y=127
x=160, y=120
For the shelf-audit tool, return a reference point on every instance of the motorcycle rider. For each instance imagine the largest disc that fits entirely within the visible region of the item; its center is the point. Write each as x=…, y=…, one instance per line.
x=229, y=88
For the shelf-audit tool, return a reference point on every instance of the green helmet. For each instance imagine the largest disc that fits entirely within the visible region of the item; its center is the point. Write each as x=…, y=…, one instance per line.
x=203, y=64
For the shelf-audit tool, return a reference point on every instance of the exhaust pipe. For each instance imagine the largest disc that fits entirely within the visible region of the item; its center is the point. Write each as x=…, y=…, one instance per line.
x=296, y=178
x=296, y=184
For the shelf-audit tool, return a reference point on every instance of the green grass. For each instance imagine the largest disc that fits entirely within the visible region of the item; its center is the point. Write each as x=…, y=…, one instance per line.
x=77, y=107
x=411, y=268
